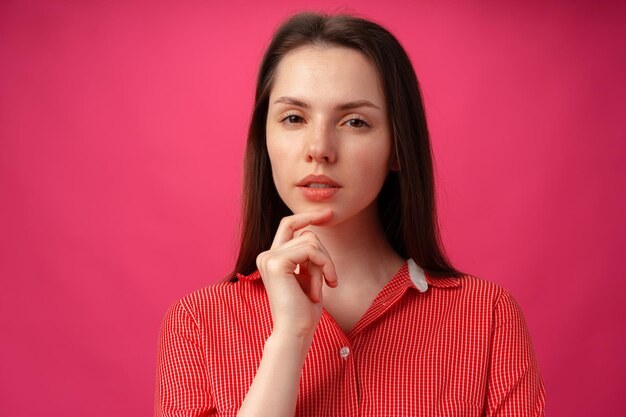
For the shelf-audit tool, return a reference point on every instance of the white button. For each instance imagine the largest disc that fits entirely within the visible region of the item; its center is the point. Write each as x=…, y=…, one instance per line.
x=344, y=352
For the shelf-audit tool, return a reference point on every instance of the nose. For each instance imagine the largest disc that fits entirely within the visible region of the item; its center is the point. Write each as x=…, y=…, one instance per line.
x=321, y=145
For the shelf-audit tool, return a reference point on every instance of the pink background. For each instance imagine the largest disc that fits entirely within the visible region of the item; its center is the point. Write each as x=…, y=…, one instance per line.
x=122, y=128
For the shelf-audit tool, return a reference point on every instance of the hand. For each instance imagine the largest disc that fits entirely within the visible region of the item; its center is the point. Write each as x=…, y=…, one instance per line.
x=295, y=295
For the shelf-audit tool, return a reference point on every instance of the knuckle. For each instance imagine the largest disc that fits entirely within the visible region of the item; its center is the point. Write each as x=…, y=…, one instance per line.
x=268, y=261
x=314, y=245
x=272, y=263
x=284, y=222
x=310, y=236
x=261, y=259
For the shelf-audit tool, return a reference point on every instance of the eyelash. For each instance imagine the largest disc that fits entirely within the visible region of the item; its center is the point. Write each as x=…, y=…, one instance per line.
x=286, y=117
x=359, y=120
x=289, y=115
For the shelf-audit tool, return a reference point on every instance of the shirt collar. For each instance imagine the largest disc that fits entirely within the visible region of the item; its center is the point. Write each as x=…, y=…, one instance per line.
x=418, y=278
x=421, y=280
x=251, y=277
x=443, y=282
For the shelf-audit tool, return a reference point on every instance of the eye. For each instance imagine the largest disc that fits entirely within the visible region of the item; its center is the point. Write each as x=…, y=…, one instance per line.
x=357, y=123
x=291, y=119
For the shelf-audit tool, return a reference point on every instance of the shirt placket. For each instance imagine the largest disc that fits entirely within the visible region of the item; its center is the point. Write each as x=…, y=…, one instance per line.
x=343, y=356
x=346, y=347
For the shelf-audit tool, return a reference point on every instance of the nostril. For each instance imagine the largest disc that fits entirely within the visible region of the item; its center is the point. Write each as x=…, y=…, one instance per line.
x=321, y=152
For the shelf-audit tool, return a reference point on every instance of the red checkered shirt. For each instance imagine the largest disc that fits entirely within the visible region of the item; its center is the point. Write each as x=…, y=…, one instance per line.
x=442, y=347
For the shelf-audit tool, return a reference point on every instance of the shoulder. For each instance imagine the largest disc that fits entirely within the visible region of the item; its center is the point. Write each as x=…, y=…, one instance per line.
x=221, y=300
x=469, y=292
x=467, y=286
x=489, y=290
x=207, y=297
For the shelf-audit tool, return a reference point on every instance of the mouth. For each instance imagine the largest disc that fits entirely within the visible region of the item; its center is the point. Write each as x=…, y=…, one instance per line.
x=318, y=188
x=318, y=181
x=318, y=185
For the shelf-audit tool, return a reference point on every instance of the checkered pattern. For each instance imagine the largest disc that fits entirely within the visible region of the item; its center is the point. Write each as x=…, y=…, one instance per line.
x=459, y=349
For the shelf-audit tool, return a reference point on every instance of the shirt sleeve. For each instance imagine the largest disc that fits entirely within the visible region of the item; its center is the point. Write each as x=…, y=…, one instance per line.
x=514, y=385
x=182, y=383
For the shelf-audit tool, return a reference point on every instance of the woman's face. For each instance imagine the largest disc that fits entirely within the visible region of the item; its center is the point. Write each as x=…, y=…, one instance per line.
x=328, y=136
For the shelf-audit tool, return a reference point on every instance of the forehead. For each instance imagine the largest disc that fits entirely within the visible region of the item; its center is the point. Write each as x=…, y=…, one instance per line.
x=327, y=73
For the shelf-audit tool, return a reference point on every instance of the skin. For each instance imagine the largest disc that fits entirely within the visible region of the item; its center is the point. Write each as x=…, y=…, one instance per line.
x=352, y=146
x=338, y=241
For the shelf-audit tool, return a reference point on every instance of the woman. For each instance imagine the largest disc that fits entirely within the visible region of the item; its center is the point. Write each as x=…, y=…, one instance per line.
x=342, y=302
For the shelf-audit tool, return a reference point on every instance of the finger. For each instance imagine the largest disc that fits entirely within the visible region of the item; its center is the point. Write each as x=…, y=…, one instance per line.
x=307, y=239
x=307, y=234
x=303, y=252
x=318, y=260
x=302, y=269
x=315, y=283
x=304, y=279
x=310, y=280
x=290, y=224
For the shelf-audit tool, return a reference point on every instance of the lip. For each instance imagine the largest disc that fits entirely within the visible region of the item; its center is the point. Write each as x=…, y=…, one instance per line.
x=318, y=194
x=319, y=179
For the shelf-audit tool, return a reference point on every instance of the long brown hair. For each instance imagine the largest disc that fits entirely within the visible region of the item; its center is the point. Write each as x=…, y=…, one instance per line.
x=406, y=203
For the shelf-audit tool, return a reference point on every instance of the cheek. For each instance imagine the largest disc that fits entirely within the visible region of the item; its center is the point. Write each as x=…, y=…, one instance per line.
x=372, y=162
x=278, y=160
x=280, y=147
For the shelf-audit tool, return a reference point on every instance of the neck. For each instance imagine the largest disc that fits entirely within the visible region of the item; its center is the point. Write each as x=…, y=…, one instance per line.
x=359, y=249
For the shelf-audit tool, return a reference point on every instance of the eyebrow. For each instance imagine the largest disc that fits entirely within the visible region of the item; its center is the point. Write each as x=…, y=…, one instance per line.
x=344, y=106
